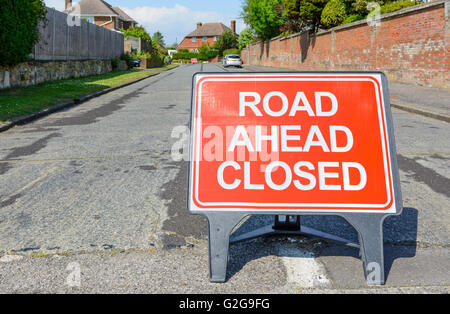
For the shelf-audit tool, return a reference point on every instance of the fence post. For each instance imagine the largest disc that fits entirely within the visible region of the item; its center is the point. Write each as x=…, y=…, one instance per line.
x=67, y=41
x=88, y=41
x=80, y=33
x=53, y=34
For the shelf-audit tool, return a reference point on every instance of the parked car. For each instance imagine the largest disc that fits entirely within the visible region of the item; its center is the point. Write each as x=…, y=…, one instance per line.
x=136, y=62
x=232, y=60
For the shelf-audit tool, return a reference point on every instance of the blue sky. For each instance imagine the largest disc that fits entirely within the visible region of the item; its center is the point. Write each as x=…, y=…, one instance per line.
x=175, y=18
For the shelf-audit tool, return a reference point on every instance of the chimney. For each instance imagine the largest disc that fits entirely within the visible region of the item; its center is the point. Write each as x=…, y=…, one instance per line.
x=68, y=4
x=233, y=26
x=199, y=24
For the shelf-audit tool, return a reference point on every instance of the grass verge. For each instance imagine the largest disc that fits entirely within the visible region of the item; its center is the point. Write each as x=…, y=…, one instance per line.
x=166, y=67
x=21, y=101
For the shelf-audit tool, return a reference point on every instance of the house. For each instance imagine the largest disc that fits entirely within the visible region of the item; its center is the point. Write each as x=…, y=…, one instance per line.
x=103, y=14
x=205, y=33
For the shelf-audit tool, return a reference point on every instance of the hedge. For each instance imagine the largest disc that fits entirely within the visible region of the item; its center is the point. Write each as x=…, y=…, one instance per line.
x=394, y=6
x=232, y=51
x=19, y=31
x=200, y=56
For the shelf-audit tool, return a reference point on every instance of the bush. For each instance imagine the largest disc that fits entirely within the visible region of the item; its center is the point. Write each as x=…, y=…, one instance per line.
x=394, y=6
x=127, y=59
x=114, y=63
x=182, y=55
x=353, y=18
x=19, y=32
x=138, y=32
x=233, y=51
x=155, y=60
x=334, y=13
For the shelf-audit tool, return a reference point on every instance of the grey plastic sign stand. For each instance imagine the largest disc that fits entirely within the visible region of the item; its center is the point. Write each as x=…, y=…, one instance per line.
x=368, y=225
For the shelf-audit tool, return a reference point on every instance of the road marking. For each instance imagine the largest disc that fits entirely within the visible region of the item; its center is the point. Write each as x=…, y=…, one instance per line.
x=302, y=268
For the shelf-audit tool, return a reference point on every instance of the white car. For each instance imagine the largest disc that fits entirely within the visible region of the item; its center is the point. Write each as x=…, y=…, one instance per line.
x=232, y=60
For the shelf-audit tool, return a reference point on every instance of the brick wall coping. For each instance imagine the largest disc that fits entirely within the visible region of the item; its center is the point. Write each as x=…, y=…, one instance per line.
x=394, y=14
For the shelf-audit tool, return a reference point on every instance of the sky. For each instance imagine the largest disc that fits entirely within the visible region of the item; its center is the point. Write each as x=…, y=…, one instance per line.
x=174, y=18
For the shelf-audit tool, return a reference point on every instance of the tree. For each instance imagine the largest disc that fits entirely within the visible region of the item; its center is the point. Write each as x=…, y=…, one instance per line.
x=334, y=13
x=263, y=16
x=19, y=28
x=158, y=38
x=302, y=15
x=246, y=37
x=138, y=32
x=227, y=40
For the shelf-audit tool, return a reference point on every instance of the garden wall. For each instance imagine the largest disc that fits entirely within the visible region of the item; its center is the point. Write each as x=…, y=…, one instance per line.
x=31, y=73
x=410, y=46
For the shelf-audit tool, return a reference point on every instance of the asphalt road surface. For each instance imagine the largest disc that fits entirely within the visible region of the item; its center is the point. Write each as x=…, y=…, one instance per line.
x=94, y=189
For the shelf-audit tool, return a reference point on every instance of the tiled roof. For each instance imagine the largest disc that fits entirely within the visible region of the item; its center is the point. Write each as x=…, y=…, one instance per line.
x=209, y=29
x=124, y=16
x=100, y=7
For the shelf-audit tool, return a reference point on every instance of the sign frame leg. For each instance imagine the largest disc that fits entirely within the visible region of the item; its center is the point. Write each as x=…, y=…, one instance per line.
x=370, y=232
x=220, y=226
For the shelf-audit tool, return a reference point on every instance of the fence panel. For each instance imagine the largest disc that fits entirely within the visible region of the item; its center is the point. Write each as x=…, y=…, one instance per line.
x=61, y=41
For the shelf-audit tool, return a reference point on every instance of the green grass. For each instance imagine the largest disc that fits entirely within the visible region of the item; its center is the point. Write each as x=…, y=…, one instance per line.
x=166, y=67
x=21, y=101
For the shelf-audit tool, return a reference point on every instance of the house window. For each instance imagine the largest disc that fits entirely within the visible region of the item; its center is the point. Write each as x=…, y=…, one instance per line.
x=215, y=38
x=205, y=38
x=194, y=39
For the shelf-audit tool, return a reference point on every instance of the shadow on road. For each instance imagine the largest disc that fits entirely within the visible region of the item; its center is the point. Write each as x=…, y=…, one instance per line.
x=400, y=239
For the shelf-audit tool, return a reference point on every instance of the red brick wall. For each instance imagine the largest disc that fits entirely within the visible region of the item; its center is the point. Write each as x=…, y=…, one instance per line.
x=100, y=20
x=188, y=44
x=410, y=46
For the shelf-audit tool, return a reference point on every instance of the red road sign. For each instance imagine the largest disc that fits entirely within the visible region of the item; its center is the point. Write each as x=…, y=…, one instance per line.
x=194, y=60
x=290, y=142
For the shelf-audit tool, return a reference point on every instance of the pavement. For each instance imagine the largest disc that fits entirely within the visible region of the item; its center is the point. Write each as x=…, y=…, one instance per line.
x=91, y=201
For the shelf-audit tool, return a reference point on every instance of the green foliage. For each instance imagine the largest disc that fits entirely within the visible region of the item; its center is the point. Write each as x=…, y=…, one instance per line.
x=114, y=63
x=204, y=48
x=246, y=37
x=141, y=55
x=226, y=41
x=302, y=15
x=186, y=55
x=158, y=38
x=19, y=32
x=352, y=18
x=183, y=50
x=334, y=13
x=138, y=32
x=264, y=17
x=394, y=6
x=361, y=6
x=127, y=59
x=232, y=51
x=155, y=59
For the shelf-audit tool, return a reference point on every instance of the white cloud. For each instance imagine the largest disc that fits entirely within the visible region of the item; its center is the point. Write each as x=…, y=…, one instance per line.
x=176, y=22
x=57, y=4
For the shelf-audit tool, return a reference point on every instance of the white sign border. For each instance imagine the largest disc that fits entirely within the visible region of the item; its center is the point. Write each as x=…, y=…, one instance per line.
x=292, y=208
